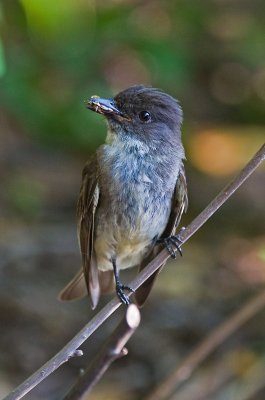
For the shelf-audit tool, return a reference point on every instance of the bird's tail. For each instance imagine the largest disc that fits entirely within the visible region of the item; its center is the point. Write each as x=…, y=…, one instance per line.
x=77, y=288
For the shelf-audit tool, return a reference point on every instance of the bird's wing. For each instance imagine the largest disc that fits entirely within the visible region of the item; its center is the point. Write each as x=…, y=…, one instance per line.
x=86, y=280
x=89, y=279
x=179, y=205
x=86, y=209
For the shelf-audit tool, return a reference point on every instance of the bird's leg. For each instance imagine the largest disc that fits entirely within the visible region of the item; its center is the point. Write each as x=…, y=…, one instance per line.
x=173, y=243
x=119, y=286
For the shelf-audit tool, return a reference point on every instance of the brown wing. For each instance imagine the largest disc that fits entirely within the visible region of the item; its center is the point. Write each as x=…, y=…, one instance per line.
x=88, y=279
x=179, y=205
x=86, y=208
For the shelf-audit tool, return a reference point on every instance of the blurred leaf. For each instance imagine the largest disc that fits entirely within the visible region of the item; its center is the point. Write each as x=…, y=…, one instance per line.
x=54, y=19
x=2, y=60
x=223, y=151
x=261, y=253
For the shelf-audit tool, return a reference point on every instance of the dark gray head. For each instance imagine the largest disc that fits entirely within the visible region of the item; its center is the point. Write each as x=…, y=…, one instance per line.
x=143, y=112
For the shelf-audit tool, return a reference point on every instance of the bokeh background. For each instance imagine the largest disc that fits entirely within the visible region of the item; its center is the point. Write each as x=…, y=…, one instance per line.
x=54, y=55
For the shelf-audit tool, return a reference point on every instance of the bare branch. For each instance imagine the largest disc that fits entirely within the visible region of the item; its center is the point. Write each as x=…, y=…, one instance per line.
x=113, y=349
x=159, y=260
x=207, y=346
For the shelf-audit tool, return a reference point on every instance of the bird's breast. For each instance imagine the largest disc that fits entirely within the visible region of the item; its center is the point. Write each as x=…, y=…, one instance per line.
x=137, y=208
x=134, y=207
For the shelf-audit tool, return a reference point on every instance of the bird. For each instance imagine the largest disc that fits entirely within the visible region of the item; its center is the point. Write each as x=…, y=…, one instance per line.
x=133, y=193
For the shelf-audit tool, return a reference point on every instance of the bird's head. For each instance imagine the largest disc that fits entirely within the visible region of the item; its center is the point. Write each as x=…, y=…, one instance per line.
x=143, y=112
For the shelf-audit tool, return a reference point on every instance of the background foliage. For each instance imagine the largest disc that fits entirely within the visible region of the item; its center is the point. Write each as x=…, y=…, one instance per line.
x=53, y=56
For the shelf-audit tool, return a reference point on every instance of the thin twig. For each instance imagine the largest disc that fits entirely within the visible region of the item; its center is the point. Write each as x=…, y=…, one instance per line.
x=113, y=349
x=207, y=346
x=245, y=384
x=63, y=355
x=207, y=384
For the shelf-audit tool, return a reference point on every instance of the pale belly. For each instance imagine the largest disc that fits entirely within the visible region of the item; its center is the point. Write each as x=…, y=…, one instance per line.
x=127, y=244
x=127, y=253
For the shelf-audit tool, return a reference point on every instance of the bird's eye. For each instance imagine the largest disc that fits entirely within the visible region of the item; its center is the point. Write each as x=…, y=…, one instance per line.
x=145, y=116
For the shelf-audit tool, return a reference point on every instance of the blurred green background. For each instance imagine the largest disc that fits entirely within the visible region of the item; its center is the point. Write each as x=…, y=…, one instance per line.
x=53, y=56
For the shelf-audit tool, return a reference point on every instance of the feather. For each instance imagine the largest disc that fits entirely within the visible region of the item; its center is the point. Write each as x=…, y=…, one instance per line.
x=76, y=288
x=86, y=209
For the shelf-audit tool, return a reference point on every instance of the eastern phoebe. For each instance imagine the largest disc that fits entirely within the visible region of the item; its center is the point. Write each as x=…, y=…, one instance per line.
x=133, y=192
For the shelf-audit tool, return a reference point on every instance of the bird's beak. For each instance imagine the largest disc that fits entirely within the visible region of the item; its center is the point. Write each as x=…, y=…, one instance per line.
x=105, y=107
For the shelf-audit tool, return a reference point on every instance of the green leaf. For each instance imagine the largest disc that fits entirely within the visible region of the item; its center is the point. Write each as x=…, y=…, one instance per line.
x=2, y=60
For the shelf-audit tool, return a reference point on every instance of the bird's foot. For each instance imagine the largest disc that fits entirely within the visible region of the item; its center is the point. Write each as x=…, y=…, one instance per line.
x=173, y=244
x=124, y=298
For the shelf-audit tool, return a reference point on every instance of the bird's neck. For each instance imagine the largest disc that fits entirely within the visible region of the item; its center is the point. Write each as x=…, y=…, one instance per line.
x=125, y=143
x=132, y=158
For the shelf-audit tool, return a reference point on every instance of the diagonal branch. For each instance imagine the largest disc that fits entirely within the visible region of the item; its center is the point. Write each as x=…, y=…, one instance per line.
x=70, y=348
